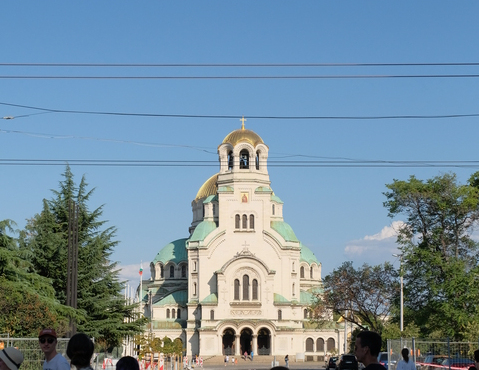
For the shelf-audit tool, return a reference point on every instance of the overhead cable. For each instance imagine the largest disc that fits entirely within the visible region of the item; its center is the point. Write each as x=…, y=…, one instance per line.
x=368, y=117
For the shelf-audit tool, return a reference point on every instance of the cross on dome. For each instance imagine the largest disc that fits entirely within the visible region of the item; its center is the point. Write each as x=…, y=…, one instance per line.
x=243, y=120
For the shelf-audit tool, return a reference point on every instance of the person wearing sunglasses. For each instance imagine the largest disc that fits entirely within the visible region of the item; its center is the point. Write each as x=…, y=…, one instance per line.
x=48, y=345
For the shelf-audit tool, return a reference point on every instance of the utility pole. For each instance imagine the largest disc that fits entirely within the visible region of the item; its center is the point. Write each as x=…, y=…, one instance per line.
x=72, y=267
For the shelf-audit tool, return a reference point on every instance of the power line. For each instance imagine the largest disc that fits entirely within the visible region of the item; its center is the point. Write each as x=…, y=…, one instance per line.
x=412, y=116
x=282, y=163
x=239, y=65
x=257, y=77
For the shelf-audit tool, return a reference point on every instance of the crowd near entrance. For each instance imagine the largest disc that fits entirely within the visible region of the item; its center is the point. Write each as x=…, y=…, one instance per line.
x=246, y=341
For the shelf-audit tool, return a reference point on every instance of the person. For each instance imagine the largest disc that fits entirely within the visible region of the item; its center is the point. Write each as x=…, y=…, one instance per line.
x=286, y=360
x=252, y=354
x=226, y=360
x=233, y=360
x=366, y=349
x=47, y=339
x=476, y=361
x=245, y=355
x=127, y=363
x=80, y=350
x=10, y=358
x=405, y=363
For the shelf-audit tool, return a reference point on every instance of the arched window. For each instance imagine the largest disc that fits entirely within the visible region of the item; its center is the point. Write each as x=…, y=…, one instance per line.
x=178, y=314
x=311, y=273
x=172, y=272
x=173, y=313
x=293, y=267
x=320, y=345
x=237, y=221
x=293, y=289
x=194, y=266
x=230, y=161
x=162, y=272
x=183, y=271
x=214, y=209
x=167, y=313
x=212, y=315
x=272, y=209
x=245, y=287
x=237, y=288
x=301, y=272
x=244, y=159
x=194, y=289
x=255, y=289
x=305, y=313
x=309, y=345
x=245, y=222
x=251, y=221
x=280, y=315
x=331, y=344
x=257, y=160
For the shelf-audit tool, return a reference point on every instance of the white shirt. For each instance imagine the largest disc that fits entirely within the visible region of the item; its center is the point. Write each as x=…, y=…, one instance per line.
x=56, y=363
x=403, y=365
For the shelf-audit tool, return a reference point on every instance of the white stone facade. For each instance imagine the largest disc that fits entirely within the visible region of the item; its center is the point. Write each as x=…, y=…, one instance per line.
x=241, y=280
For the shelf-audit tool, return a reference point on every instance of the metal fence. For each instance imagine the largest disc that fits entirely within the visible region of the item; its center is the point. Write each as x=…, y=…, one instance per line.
x=432, y=355
x=30, y=348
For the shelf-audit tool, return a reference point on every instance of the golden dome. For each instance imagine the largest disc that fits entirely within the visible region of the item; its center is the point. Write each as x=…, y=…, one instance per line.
x=243, y=135
x=208, y=188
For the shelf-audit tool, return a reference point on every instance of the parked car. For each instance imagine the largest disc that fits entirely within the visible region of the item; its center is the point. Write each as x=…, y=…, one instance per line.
x=457, y=363
x=332, y=362
x=432, y=362
x=383, y=360
x=347, y=362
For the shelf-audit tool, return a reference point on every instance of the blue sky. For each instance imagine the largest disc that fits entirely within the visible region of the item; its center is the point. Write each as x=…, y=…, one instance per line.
x=338, y=211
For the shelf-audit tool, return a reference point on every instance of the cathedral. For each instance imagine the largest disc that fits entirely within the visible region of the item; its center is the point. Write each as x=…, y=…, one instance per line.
x=241, y=281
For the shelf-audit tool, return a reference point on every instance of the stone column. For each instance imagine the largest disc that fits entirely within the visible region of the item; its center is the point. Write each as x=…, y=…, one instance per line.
x=255, y=344
x=237, y=345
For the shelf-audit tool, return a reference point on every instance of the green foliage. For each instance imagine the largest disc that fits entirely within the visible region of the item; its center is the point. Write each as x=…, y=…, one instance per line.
x=104, y=313
x=361, y=296
x=27, y=300
x=439, y=256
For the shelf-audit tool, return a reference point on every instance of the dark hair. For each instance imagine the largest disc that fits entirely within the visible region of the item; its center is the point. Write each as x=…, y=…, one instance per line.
x=127, y=363
x=405, y=354
x=80, y=350
x=372, y=340
x=476, y=355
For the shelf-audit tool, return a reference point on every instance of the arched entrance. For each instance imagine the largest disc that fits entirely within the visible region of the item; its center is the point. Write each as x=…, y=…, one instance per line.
x=264, y=342
x=246, y=339
x=229, y=342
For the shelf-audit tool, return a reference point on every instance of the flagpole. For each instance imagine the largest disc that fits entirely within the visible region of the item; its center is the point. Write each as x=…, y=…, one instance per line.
x=140, y=297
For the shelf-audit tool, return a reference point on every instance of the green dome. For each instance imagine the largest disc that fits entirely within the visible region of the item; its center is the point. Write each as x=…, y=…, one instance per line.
x=307, y=255
x=172, y=252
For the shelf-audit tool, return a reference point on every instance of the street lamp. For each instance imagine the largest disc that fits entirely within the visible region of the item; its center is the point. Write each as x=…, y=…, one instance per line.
x=402, y=301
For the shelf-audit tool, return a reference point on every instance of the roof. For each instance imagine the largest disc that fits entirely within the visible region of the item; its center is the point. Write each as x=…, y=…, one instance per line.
x=208, y=188
x=172, y=252
x=179, y=297
x=243, y=135
x=284, y=230
x=202, y=230
x=276, y=199
x=307, y=255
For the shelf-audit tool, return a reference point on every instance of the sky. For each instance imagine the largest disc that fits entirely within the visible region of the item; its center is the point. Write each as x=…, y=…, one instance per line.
x=336, y=210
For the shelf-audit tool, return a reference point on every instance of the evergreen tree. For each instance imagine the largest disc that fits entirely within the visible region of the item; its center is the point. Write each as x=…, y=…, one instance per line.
x=27, y=300
x=100, y=302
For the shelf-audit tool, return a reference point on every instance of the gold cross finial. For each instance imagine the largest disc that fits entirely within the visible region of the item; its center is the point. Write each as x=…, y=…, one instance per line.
x=243, y=120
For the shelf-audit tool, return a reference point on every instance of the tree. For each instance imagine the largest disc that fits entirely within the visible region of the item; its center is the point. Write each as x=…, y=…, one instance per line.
x=27, y=300
x=439, y=257
x=363, y=297
x=106, y=316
